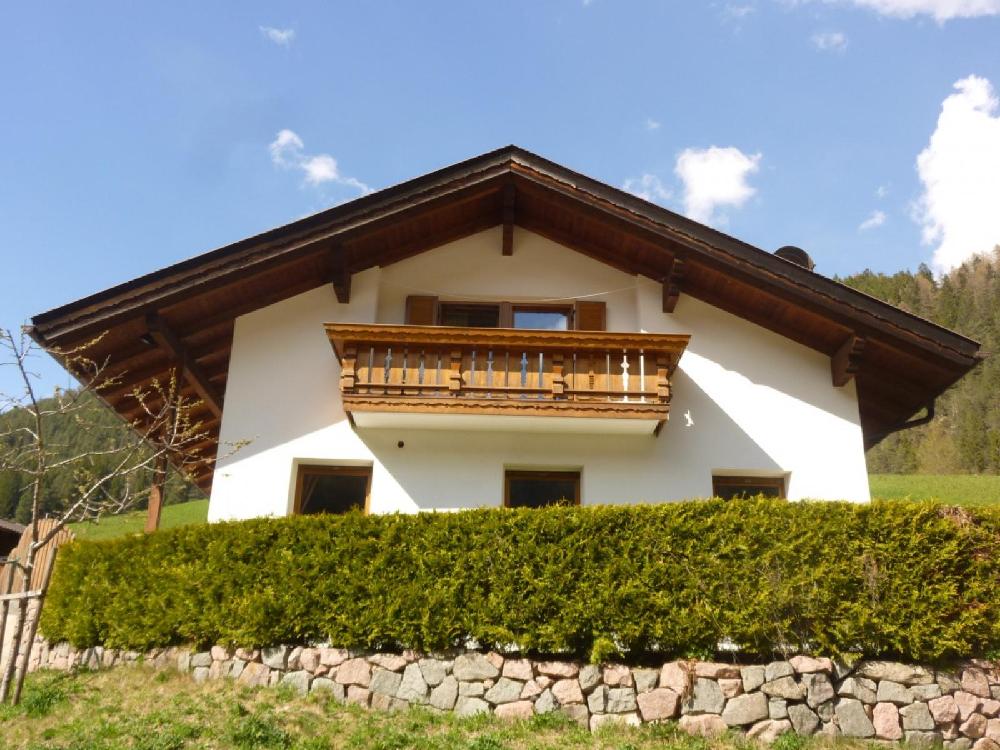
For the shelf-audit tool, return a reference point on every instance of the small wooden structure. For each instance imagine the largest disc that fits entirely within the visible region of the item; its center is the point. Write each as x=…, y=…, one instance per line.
x=10, y=535
x=21, y=606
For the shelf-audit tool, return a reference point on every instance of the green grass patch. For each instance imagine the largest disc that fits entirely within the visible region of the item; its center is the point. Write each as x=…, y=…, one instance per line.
x=133, y=522
x=950, y=489
x=128, y=708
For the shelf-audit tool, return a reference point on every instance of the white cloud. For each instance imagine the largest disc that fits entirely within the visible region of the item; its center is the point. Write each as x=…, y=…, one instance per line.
x=830, y=41
x=288, y=151
x=286, y=148
x=876, y=219
x=715, y=177
x=960, y=172
x=652, y=124
x=281, y=37
x=649, y=187
x=940, y=10
x=881, y=191
x=736, y=12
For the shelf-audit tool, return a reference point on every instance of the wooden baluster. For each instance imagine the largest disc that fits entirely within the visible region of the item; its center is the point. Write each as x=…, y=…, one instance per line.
x=414, y=371
x=663, y=378
x=348, y=376
x=558, y=377
x=506, y=373
x=455, y=372
x=378, y=373
x=543, y=375
x=625, y=376
x=590, y=374
x=642, y=376
x=607, y=377
x=490, y=374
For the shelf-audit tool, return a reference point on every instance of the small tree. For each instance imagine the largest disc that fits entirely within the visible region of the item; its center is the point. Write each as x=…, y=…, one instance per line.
x=131, y=457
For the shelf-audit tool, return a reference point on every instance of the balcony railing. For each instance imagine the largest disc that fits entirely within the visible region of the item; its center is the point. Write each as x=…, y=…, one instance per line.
x=440, y=369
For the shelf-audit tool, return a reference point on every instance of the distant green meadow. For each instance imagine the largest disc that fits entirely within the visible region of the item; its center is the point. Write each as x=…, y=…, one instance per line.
x=134, y=521
x=951, y=489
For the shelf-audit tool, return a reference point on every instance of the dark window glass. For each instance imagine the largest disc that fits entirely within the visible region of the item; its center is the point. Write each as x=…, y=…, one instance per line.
x=329, y=490
x=729, y=488
x=538, y=489
x=470, y=316
x=546, y=320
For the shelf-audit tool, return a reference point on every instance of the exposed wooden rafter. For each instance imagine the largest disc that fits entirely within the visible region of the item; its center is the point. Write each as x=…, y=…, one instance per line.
x=672, y=285
x=845, y=363
x=340, y=272
x=190, y=370
x=509, y=199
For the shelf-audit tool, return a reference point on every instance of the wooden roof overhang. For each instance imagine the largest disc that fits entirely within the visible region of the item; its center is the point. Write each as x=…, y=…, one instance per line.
x=182, y=316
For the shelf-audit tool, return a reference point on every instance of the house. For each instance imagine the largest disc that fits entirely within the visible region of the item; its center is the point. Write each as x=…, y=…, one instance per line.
x=506, y=331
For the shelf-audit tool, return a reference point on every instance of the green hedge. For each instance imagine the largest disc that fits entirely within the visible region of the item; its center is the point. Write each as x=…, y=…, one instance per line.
x=909, y=580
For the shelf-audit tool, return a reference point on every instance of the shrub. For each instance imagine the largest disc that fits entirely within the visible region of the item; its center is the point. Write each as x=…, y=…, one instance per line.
x=911, y=580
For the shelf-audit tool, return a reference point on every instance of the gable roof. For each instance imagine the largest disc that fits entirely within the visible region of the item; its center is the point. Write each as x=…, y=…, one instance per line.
x=901, y=362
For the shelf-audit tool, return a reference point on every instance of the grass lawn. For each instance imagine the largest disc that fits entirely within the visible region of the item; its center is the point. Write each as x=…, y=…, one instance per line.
x=132, y=707
x=180, y=514
x=953, y=489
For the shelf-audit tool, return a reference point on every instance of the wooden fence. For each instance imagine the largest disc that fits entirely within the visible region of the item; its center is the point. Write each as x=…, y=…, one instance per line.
x=20, y=606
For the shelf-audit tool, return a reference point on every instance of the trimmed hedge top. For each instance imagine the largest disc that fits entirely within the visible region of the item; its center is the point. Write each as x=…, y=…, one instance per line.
x=909, y=580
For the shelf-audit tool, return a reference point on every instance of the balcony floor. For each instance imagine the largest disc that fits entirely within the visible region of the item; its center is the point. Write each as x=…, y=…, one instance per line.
x=504, y=423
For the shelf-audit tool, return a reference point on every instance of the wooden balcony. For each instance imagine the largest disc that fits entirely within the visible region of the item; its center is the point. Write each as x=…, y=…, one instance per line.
x=441, y=377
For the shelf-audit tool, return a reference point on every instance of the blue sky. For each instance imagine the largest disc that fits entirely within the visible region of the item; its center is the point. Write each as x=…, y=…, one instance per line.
x=136, y=135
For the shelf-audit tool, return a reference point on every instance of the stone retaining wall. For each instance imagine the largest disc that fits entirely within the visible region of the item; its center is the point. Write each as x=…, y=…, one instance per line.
x=958, y=706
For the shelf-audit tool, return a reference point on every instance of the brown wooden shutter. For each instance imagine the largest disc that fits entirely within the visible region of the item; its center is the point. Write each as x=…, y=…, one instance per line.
x=421, y=310
x=590, y=316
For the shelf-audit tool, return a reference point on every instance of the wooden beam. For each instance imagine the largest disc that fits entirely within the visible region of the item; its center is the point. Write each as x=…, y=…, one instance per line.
x=190, y=370
x=845, y=363
x=156, y=494
x=509, y=197
x=672, y=284
x=342, y=285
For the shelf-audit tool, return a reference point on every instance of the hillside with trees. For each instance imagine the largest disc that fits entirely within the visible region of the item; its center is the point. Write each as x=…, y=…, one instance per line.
x=965, y=436
x=87, y=431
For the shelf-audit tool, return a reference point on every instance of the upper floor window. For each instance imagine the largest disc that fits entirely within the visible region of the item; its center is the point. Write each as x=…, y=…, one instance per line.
x=581, y=316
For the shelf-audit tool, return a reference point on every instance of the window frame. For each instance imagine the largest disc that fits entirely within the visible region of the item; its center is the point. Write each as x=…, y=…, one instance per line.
x=573, y=475
x=349, y=470
x=506, y=310
x=746, y=480
x=498, y=306
x=567, y=310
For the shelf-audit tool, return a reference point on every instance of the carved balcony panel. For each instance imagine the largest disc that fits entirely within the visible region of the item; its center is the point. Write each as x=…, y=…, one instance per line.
x=574, y=381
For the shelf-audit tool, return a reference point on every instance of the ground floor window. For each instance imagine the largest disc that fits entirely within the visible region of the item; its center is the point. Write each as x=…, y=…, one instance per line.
x=537, y=489
x=729, y=487
x=332, y=489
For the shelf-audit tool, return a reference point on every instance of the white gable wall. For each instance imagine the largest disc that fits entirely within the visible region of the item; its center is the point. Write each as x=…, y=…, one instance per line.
x=746, y=401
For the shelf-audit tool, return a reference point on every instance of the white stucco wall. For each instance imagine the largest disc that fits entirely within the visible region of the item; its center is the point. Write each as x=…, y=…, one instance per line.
x=746, y=401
